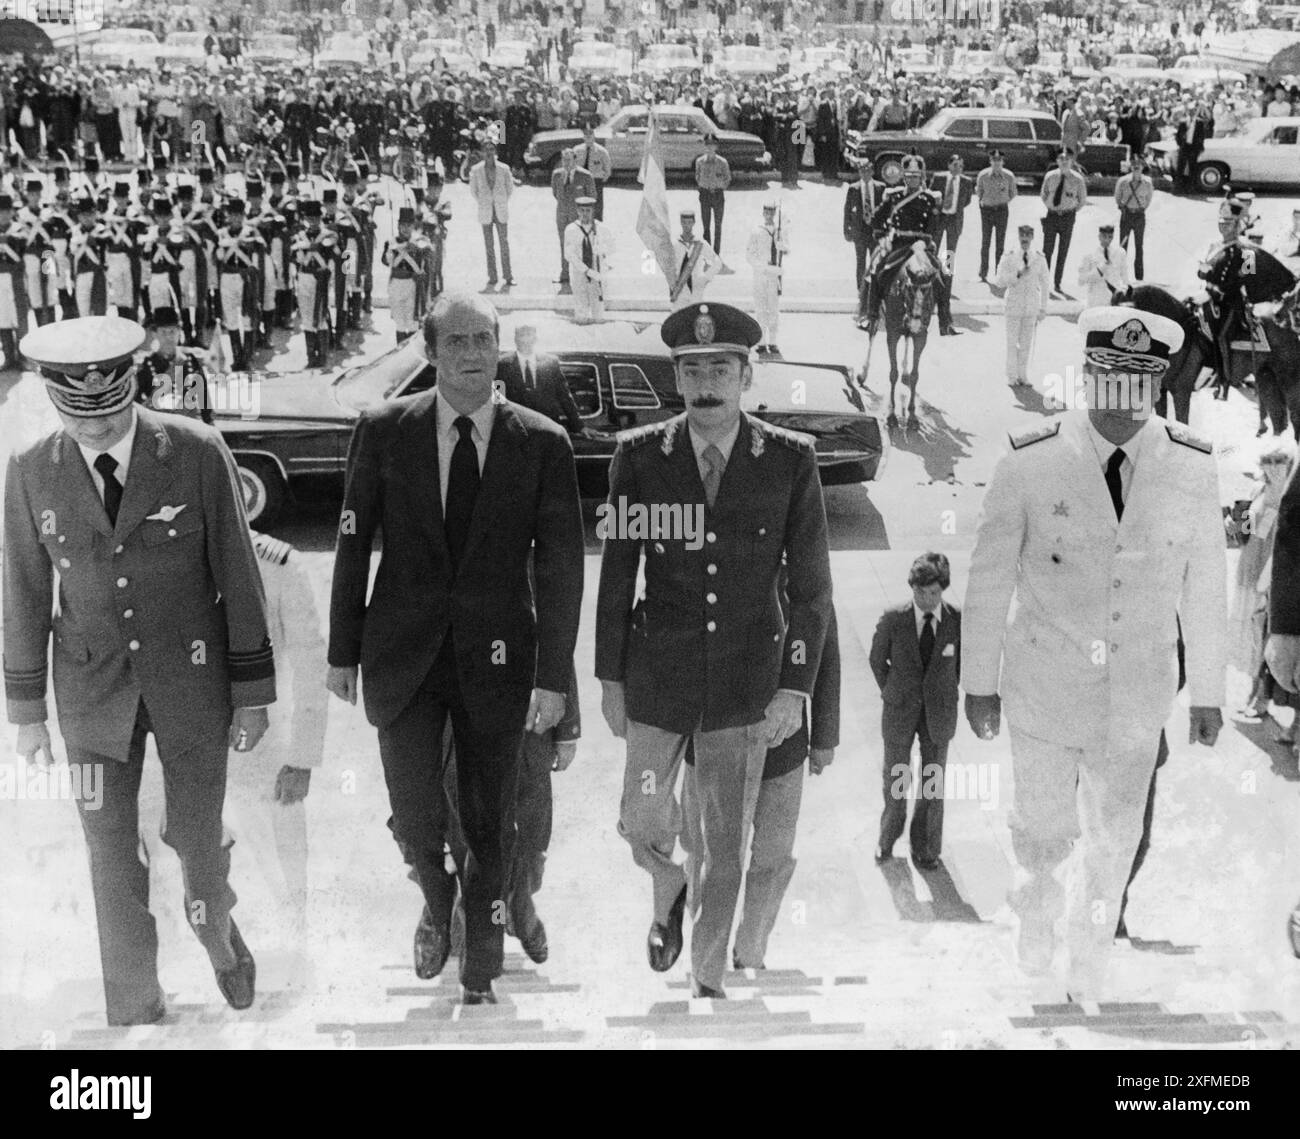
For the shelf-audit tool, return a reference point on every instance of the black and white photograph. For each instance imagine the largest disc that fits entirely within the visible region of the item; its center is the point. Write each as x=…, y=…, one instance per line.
x=677, y=525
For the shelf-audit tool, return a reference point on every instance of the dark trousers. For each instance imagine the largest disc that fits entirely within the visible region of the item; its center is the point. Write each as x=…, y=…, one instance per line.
x=600, y=199
x=861, y=253
x=564, y=261
x=1133, y=222
x=487, y=771
x=926, y=836
x=1185, y=167
x=1057, y=227
x=993, y=229
x=194, y=786
x=1144, y=843
x=712, y=203
x=950, y=227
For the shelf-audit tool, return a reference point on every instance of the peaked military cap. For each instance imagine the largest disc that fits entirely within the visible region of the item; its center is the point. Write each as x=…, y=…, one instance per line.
x=701, y=328
x=88, y=363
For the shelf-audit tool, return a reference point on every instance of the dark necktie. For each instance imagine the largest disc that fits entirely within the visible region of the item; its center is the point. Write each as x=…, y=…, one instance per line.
x=686, y=261
x=105, y=464
x=773, y=236
x=714, y=465
x=1060, y=190
x=1113, y=482
x=529, y=382
x=1105, y=252
x=462, y=489
x=588, y=257
x=927, y=640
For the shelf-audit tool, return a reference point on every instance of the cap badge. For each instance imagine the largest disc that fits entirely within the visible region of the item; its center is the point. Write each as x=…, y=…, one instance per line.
x=94, y=382
x=1132, y=336
x=705, y=329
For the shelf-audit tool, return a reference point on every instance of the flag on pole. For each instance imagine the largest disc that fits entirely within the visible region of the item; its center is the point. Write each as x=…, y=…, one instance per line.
x=652, y=225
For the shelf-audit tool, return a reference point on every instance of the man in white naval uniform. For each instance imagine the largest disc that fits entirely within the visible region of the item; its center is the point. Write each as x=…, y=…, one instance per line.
x=588, y=244
x=695, y=265
x=768, y=246
x=1106, y=527
x=1103, y=271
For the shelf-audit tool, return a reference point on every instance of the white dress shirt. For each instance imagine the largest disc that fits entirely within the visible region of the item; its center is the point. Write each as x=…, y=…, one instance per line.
x=527, y=365
x=121, y=451
x=445, y=417
x=920, y=615
x=1105, y=448
x=699, y=444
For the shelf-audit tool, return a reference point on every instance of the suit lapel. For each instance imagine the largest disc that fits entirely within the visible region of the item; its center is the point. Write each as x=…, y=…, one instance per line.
x=83, y=499
x=422, y=442
x=148, y=476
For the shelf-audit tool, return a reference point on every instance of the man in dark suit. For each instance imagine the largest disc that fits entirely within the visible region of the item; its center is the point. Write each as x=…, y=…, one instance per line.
x=955, y=190
x=159, y=625
x=1282, y=651
x=569, y=182
x=916, y=659
x=861, y=201
x=463, y=487
x=534, y=380
x=705, y=656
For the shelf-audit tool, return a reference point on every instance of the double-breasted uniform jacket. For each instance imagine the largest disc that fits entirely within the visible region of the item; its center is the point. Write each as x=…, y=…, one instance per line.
x=706, y=647
x=860, y=208
x=905, y=688
x=506, y=644
x=1091, y=652
x=167, y=606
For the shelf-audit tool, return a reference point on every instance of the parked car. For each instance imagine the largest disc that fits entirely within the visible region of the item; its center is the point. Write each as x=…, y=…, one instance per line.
x=829, y=61
x=1193, y=70
x=116, y=47
x=344, y=52
x=916, y=61
x=304, y=423
x=271, y=48
x=509, y=54
x=182, y=49
x=1029, y=141
x=666, y=61
x=682, y=130
x=595, y=57
x=451, y=54
x=1261, y=152
x=745, y=62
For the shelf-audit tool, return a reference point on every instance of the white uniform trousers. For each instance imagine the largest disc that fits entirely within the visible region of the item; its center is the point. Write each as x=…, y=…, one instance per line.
x=588, y=298
x=232, y=304
x=121, y=284
x=771, y=863
x=401, y=303
x=767, y=303
x=1020, y=345
x=1061, y=794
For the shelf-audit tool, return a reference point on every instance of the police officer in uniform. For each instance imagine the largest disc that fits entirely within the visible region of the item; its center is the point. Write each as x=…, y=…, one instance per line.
x=907, y=213
x=706, y=657
x=159, y=628
x=1106, y=526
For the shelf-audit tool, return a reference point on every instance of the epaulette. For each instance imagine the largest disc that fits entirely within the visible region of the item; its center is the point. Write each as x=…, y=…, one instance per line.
x=272, y=550
x=795, y=440
x=1179, y=433
x=1035, y=435
x=640, y=436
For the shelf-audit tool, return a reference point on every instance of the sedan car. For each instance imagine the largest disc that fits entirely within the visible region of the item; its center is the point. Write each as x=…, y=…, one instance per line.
x=746, y=62
x=450, y=55
x=1261, y=152
x=304, y=424
x=344, y=52
x=509, y=54
x=117, y=47
x=1029, y=141
x=664, y=61
x=1193, y=71
x=183, y=49
x=272, y=48
x=829, y=61
x=597, y=58
x=682, y=130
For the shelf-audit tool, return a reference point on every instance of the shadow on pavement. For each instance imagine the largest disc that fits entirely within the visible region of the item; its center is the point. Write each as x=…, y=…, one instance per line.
x=938, y=443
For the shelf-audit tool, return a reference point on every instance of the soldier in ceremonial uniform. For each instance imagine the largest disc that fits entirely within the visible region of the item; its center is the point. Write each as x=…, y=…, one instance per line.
x=696, y=265
x=435, y=216
x=269, y=225
x=906, y=213
x=706, y=657
x=160, y=251
x=315, y=252
x=407, y=259
x=13, y=285
x=158, y=627
x=240, y=255
x=1106, y=526
x=88, y=249
x=197, y=232
x=768, y=245
x=123, y=273
x=588, y=246
x=173, y=378
x=351, y=250
x=39, y=266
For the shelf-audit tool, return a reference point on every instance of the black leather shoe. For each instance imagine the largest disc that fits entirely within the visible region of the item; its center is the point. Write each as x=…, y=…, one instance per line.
x=534, y=943
x=1121, y=931
x=773, y=350
x=664, y=944
x=432, y=947
x=238, y=984
x=702, y=991
x=150, y=1014
x=739, y=968
x=926, y=863
x=470, y=996
x=950, y=330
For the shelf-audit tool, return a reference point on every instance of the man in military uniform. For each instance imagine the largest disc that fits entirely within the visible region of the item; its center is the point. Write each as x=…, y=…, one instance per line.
x=269, y=226
x=315, y=253
x=768, y=246
x=173, y=378
x=435, y=216
x=197, y=232
x=1106, y=526
x=407, y=259
x=13, y=290
x=240, y=255
x=39, y=267
x=88, y=249
x=906, y=214
x=706, y=657
x=125, y=229
x=695, y=265
x=160, y=250
x=159, y=627
x=588, y=246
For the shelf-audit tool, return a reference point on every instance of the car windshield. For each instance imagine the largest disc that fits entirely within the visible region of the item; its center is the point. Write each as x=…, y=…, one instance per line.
x=368, y=385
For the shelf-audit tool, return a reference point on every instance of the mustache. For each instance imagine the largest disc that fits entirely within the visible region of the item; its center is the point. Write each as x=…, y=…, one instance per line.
x=707, y=401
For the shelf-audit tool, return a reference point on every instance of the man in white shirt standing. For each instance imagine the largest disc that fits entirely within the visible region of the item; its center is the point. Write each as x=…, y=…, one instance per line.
x=491, y=184
x=766, y=252
x=696, y=265
x=1023, y=273
x=588, y=244
x=1103, y=271
x=595, y=160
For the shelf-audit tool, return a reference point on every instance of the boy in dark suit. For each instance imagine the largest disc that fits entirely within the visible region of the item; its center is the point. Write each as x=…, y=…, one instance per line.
x=534, y=380
x=861, y=201
x=916, y=659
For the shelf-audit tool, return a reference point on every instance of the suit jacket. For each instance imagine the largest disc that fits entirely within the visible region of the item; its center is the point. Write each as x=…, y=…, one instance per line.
x=908, y=690
x=706, y=647
x=1284, y=594
x=965, y=191
x=567, y=191
x=1091, y=652
x=821, y=723
x=550, y=396
x=493, y=201
x=505, y=645
x=166, y=606
x=857, y=217
x=1027, y=295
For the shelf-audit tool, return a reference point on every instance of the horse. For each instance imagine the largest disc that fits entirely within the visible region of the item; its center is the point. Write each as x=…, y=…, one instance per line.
x=908, y=305
x=1185, y=366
